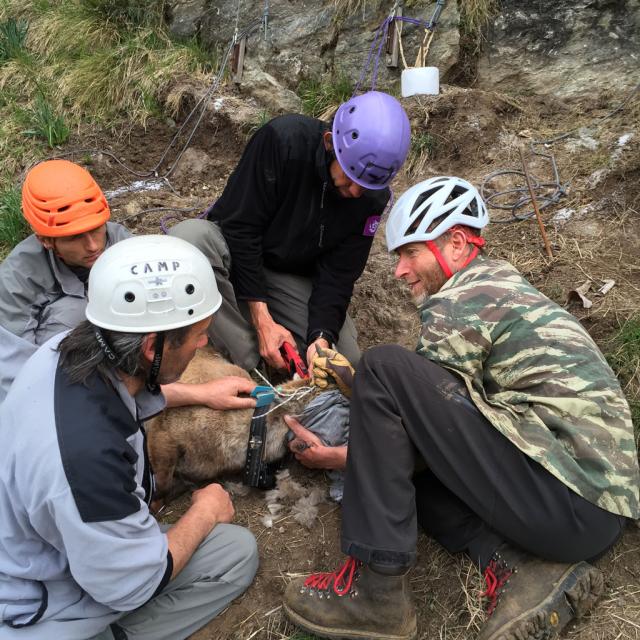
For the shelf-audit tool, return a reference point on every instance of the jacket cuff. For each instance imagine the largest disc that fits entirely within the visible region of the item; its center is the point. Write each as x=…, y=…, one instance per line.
x=316, y=334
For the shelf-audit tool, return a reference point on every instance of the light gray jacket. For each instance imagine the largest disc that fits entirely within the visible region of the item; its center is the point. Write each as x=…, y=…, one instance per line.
x=77, y=542
x=39, y=297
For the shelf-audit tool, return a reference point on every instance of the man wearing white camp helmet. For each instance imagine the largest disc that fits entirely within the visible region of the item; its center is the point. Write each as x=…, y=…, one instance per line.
x=80, y=554
x=531, y=464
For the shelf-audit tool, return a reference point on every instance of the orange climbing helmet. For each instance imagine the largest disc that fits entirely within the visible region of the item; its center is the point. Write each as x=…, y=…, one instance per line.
x=60, y=198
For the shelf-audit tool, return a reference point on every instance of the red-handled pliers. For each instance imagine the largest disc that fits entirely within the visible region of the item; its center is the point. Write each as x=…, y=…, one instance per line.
x=294, y=361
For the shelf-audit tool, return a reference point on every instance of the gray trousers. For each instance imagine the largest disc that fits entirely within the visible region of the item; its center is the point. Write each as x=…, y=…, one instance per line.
x=220, y=570
x=232, y=332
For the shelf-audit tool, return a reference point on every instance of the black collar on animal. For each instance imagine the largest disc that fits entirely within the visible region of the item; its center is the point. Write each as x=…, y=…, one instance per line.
x=257, y=471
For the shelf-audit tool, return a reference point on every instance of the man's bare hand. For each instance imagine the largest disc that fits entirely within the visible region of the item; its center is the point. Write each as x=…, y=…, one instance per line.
x=224, y=393
x=213, y=502
x=309, y=450
x=271, y=337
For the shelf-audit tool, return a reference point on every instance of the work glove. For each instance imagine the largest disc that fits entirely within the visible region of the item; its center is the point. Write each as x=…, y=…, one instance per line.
x=331, y=367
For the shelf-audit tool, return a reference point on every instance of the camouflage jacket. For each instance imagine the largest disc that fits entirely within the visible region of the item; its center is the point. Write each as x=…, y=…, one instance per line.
x=533, y=371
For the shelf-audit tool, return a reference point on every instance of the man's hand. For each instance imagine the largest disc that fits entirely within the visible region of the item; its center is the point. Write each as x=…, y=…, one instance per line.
x=328, y=367
x=224, y=393
x=210, y=506
x=213, y=502
x=218, y=394
x=271, y=335
x=309, y=450
x=312, y=349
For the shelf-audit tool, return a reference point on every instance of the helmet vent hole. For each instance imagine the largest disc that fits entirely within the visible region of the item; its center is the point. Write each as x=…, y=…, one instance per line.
x=190, y=312
x=129, y=296
x=354, y=135
x=352, y=109
x=352, y=168
x=61, y=209
x=189, y=289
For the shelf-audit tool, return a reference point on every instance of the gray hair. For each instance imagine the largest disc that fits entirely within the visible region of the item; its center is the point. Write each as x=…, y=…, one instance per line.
x=81, y=355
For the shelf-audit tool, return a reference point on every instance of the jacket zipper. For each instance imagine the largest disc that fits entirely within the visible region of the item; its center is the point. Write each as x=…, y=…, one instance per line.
x=324, y=188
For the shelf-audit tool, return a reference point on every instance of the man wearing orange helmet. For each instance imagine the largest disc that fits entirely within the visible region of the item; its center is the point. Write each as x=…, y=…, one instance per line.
x=43, y=281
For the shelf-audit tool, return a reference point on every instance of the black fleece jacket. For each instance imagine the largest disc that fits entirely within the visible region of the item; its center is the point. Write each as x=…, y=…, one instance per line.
x=280, y=210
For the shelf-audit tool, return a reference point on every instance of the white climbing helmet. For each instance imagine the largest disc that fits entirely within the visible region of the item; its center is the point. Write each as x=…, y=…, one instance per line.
x=151, y=283
x=454, y=200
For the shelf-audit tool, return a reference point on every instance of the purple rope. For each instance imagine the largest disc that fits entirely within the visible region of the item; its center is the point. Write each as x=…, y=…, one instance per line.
x=378, y=40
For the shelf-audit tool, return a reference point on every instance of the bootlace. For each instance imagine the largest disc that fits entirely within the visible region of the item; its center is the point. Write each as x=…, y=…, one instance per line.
x=341, y=579
x=496, y=576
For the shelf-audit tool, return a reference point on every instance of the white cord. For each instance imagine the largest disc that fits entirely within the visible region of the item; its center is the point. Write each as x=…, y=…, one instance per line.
x=304, y=390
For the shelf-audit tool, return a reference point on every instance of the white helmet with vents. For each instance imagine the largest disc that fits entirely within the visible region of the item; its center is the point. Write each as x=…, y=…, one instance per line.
x=448, y=201
x=151, y=283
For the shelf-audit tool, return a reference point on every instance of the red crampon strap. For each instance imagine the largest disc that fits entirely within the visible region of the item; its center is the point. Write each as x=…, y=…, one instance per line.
x=342, y=578
x=478, y=241
x=495, y=576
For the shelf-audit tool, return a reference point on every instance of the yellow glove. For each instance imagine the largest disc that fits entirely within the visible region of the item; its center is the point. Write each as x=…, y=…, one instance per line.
x=331, y=367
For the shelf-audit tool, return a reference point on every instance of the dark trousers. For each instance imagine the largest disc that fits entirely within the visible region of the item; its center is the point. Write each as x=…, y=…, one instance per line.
x=478, y=491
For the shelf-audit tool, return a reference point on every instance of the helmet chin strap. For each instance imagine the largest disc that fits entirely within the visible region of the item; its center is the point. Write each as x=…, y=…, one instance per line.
x=477, y=241
x=152, y=379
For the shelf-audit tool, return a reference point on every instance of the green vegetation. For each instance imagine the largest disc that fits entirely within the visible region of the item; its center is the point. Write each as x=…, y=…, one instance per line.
x=321, y=97
x=46, y=124
x=625, y=361
x=64, y=64
x=423, y=148
x=13, y=34
x=13, y=226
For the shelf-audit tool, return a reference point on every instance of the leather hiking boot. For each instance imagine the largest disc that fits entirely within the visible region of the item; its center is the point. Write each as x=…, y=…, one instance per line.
x=534, y=599
x=352, y=602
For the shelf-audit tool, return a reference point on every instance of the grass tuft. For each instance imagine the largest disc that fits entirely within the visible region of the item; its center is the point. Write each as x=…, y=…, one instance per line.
x=322, y=97
x=13, y=226
x=128, y=13
x=423, y=148
x=13, y=34
x=46, y=124
x=625, y=361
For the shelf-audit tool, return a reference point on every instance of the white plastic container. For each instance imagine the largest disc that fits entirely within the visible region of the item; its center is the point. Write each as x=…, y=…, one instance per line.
x=420, y=81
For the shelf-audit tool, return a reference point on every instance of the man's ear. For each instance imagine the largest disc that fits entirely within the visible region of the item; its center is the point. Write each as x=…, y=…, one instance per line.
x=327, y=138
x=149, y=347
x=458, y=240
x=47, y=243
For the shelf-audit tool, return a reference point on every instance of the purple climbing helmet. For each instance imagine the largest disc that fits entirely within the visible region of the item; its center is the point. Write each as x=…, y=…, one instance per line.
x=371, y=136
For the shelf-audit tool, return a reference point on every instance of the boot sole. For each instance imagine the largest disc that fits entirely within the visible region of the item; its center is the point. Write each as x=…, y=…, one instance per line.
x=346, y=634
x=576, y=592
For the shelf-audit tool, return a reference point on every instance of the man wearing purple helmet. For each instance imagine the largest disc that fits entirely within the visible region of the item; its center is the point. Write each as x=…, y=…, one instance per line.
x=292, y=230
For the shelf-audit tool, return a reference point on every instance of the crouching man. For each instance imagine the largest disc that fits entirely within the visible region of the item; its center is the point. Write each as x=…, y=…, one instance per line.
x=80, y=554
x=532, y=468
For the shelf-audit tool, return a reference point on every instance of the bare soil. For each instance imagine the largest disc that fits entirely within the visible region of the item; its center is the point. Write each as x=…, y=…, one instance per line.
x=474, y=133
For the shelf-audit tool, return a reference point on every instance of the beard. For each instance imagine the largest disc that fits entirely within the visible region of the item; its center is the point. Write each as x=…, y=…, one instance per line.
x=431, y=283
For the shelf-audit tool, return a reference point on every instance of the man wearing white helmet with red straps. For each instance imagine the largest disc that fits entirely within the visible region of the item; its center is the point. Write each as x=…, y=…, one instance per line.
x=519, y=427
x=81, y=556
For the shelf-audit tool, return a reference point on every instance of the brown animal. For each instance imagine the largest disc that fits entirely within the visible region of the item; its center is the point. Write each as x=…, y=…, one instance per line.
x=194, y=444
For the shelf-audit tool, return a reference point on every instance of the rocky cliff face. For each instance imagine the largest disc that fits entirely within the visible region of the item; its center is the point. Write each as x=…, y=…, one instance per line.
x=565, y=47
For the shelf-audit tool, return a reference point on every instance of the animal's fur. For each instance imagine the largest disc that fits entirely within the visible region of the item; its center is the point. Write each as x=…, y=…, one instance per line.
x=194, y=444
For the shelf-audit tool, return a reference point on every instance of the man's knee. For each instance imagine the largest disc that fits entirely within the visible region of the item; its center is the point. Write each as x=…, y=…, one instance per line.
x=205, y=236
x=240, y=550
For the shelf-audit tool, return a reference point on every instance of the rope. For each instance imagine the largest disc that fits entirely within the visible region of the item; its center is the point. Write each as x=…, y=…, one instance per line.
x=524, y=198
x=546, y=199
x=378, y=41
